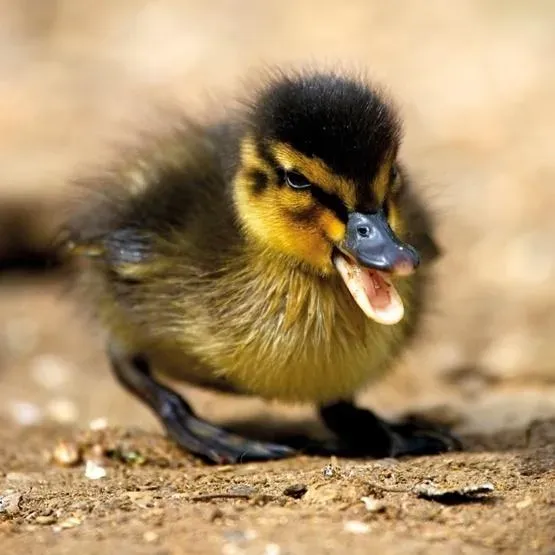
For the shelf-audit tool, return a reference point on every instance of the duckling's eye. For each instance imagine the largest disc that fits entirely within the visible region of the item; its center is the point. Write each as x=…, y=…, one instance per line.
x=297, y=180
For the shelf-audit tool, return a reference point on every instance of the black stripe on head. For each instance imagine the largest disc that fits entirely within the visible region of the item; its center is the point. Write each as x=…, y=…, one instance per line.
x=265, y=153
x=258, y=180
x=305, y=215
x=280, y=175
x=331, y=201
x=328, y=200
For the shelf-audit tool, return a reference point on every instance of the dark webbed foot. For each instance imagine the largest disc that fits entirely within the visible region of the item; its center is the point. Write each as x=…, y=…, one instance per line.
x=361, y=433
x=208, y=441
x=182, y=425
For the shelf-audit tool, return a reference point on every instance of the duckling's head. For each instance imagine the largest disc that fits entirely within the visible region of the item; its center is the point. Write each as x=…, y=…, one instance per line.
x=318, y=180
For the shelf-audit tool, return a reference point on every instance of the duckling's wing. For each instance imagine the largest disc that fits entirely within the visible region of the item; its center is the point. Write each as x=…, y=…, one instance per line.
x=171, y=198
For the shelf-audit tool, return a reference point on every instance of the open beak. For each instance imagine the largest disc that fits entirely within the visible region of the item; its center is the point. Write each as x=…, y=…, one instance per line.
x=368, y=256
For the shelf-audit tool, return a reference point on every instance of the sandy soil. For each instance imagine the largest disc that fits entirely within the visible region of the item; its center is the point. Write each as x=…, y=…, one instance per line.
x=169, y=504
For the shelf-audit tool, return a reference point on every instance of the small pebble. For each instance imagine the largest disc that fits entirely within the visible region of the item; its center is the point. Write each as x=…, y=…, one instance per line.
x=296, y=491
x=44, y=520
x=150, y=536
x=9, y=503
x=94, y=471
x=373, y=505
x=329, y=471
x=356, y=527
x=66, y=454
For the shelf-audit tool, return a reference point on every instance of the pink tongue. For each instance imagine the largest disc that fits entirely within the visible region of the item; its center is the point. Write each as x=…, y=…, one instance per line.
x=375, y=295
x=376, y=289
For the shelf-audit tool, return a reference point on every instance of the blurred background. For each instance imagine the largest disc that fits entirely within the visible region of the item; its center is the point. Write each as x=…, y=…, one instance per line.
x=475, y=80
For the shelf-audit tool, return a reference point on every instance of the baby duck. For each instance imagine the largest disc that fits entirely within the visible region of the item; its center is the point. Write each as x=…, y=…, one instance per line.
x=274, y=254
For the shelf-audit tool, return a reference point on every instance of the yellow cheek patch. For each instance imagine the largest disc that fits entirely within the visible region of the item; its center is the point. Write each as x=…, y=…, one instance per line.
x=313, y=249
x=303, y=239
x=316, y=171
x=333, y=228
x=290, y=221
x=281, y=225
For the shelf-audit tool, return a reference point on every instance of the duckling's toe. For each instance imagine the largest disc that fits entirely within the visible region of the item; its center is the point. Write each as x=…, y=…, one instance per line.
x=421, y=438
x=210, y=442
x=218, y=445
x=361, y=433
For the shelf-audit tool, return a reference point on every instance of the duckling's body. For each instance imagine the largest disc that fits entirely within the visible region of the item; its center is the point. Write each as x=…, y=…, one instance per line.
x=205, y=270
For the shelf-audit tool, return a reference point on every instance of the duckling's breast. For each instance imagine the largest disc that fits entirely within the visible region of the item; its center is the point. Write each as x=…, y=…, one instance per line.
x=298, y=338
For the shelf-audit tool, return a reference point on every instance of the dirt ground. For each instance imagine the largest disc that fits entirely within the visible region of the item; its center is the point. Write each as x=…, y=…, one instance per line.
x=475, y=81
x=167, y=503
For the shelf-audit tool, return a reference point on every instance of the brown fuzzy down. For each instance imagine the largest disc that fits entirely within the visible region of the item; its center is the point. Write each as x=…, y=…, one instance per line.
x=176, y=275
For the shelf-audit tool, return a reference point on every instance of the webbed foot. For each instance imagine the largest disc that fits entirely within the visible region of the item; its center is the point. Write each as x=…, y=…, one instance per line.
x=361, y=433
x=189, y=431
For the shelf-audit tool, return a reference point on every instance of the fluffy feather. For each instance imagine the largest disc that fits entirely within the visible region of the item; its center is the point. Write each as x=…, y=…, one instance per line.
x=179, y=276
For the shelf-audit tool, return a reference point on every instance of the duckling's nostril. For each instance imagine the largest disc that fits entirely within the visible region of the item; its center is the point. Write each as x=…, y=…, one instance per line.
x=363, y=231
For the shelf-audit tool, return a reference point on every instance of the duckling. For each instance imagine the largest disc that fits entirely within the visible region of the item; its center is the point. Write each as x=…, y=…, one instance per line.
x=280, y=253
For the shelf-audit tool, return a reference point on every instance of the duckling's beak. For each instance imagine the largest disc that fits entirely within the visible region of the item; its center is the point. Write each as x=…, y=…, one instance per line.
x=373, y=244
x=367, y=257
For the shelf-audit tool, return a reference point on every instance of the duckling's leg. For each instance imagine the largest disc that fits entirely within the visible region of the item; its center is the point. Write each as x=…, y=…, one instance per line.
x=182, y=425
x=361, y=433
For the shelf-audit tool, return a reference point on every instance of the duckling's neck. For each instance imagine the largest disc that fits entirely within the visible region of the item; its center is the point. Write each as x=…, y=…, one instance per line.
x=292, y=334
x=290, y=286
